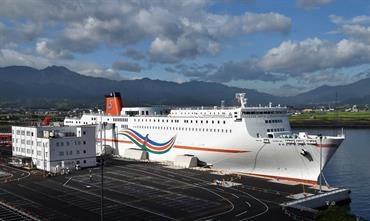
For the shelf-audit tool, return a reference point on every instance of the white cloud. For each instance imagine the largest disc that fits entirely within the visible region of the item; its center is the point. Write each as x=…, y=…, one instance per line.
x=311, y=4
x=359, y=32
x=168, y=51
x=43, y=49
x=221, y=26
x=253, y=22
x=196, y=37
x=11, y=57
x=361, y=19
x=357, y=27
x=313, y=55
x=44, y=11
x=186, y=28
x=311, y=61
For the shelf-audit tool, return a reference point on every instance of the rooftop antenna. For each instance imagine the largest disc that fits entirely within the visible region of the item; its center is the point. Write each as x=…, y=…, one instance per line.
x=320, y=180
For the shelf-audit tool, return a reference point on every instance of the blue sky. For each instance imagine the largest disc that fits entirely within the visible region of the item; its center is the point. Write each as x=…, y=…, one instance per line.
x=277, y=47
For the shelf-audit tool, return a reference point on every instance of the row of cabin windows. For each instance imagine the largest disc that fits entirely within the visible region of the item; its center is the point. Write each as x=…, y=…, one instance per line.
x=177, y=121
x=185, y=129
x=206, y=121
x=275, y=130
x=198, y=113
x=120, y=119
x=273, y=121
x=154, y=120
x=263, y=112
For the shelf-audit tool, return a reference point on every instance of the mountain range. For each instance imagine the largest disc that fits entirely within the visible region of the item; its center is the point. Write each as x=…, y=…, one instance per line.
x=59, y=87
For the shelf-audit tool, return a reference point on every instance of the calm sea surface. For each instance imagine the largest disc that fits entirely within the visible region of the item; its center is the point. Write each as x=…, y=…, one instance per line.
x=350, y=167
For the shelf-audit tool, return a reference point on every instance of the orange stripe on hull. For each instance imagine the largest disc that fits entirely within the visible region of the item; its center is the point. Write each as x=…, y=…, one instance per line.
x=209, y=149
x=185, y=147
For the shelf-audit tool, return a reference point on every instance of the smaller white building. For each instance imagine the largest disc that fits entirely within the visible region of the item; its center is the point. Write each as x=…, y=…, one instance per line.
x=54, y=149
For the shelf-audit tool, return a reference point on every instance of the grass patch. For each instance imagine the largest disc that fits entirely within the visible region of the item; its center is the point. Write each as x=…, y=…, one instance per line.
x=331, y=116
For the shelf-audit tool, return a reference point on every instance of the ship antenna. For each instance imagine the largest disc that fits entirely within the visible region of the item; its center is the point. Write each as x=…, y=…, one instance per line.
x=242, y=100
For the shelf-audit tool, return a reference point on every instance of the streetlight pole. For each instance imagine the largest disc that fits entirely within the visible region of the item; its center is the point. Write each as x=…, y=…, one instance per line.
x=102, y=177
x=320, y=163
x=101, y=192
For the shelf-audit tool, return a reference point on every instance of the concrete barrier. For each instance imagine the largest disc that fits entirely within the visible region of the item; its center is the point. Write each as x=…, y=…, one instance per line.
x=185, y=161
x=136, y=154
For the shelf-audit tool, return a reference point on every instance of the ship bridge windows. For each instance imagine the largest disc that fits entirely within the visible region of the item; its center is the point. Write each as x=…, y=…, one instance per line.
x=132, y=113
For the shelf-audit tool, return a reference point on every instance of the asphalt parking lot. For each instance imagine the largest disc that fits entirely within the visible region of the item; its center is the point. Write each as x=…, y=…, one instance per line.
x=148, y=191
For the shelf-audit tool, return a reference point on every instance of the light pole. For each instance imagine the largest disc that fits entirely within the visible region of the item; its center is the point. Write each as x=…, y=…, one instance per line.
x=102, y=177
x=320, y=180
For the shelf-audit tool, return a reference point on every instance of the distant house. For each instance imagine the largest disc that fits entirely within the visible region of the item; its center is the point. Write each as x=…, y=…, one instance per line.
x=55, y=149
x=354, y=108
x=307, y=110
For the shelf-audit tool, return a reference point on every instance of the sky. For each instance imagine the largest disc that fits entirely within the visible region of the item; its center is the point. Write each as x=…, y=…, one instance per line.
x=278, y=47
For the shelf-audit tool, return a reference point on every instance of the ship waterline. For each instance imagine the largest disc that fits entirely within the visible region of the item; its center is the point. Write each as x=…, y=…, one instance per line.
x=253, y=140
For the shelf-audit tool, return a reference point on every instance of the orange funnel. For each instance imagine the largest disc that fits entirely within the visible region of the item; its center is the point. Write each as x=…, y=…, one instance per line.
x=113, y=104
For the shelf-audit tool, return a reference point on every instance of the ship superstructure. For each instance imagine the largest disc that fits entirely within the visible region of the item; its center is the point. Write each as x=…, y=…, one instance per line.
x=254, y=140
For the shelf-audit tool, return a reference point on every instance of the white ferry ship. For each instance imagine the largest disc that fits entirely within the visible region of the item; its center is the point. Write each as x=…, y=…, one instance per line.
x=253, y=140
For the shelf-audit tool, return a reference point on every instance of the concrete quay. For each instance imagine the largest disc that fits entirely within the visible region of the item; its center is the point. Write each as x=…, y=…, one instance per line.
x=151, y=191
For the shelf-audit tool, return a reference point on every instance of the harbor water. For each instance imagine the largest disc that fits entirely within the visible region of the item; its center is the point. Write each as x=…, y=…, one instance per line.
x=350, y=167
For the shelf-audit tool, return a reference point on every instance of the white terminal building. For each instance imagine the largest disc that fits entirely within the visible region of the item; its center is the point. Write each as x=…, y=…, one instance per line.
x=56, y=148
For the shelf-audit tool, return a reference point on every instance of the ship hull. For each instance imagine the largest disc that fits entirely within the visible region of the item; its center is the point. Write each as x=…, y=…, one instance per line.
x=290, y=159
